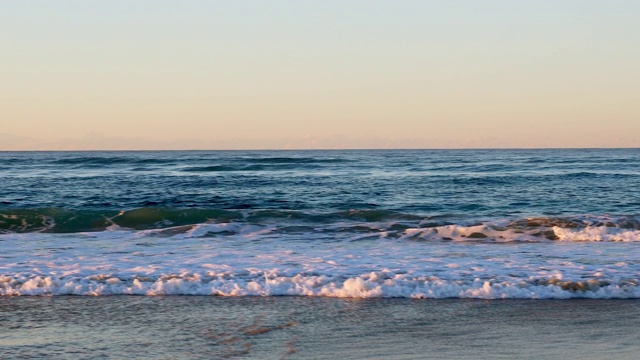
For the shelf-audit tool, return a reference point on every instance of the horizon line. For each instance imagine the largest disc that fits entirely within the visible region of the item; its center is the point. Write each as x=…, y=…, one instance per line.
x=327, y=149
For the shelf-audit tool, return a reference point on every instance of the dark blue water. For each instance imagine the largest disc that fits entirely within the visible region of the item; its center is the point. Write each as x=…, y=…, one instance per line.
x=451, y=185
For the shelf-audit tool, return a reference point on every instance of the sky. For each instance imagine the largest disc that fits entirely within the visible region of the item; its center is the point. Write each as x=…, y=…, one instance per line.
x=130, y=75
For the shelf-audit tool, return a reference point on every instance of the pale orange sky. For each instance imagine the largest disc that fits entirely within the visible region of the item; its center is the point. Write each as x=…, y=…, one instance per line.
x=318, y=74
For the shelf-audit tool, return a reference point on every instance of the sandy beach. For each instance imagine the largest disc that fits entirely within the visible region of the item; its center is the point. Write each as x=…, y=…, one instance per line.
x=186, y=327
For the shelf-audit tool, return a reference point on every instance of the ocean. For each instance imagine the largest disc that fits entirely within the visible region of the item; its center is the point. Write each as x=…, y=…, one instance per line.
x=390, y=231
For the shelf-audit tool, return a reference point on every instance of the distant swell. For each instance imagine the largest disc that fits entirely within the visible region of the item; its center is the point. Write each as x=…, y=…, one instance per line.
x=294, y=160
x=251, y=167
x=109, y=160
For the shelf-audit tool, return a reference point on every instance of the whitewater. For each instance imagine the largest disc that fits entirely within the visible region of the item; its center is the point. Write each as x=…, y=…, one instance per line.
x=493, y=224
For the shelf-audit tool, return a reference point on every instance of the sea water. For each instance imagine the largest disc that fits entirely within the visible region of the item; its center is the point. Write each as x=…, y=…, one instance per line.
x=399, y=224
x=412, y=224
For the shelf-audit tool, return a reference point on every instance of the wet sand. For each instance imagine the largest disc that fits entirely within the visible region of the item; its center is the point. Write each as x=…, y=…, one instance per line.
x=193, y=327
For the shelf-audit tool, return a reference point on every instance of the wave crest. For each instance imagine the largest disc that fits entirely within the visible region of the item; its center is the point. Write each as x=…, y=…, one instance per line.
x=370, y=285
x=366, y=223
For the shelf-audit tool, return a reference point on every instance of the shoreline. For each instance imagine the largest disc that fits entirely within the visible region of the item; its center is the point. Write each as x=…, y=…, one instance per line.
x=194, y=327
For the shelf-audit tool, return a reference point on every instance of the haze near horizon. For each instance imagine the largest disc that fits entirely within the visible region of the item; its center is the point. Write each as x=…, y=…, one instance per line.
x=92, y=75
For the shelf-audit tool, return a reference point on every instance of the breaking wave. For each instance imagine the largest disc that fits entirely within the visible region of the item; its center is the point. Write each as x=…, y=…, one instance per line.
x=364, y=253
x=370, y=285
x=373, y=222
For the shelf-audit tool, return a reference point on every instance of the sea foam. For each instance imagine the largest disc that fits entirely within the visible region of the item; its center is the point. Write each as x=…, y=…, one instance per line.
x=496, y=260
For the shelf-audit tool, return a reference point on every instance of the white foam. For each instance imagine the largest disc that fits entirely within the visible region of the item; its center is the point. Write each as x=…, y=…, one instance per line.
x=240, y=260
x=597, y=233
x=494, y=233
x=363, y=286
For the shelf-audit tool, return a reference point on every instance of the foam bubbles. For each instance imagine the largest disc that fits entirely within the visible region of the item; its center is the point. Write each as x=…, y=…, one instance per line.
x=363, y=286
x=239, y=259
